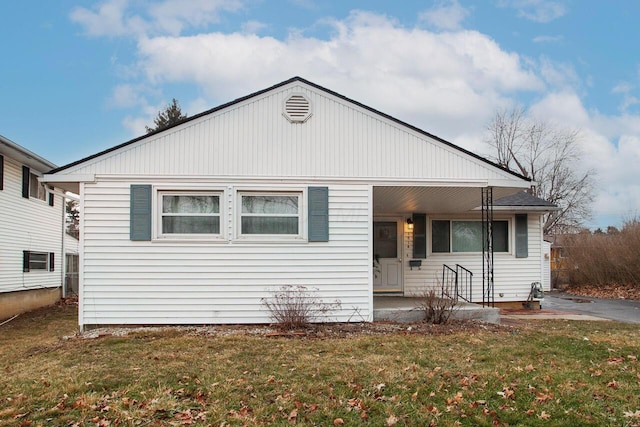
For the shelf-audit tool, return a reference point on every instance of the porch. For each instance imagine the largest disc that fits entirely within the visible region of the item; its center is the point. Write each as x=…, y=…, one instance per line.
x=406, y=310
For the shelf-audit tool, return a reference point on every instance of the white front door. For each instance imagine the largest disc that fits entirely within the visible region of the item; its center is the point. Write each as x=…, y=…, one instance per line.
x=387, y=255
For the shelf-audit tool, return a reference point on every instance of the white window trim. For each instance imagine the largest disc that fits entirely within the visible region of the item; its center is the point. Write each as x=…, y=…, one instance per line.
x=40, y=185
x=157, y=214
x=301, y=193
x=46, y=262
x=510, y=237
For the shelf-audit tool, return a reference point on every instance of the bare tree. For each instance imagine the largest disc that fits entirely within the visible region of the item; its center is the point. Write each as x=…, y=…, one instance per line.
x=551, y=157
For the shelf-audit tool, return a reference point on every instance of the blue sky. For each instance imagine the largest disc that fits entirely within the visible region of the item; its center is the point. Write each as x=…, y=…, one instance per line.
x=79, y=77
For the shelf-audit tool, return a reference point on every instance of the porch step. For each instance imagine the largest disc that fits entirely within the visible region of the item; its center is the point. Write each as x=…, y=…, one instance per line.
x=405, y=310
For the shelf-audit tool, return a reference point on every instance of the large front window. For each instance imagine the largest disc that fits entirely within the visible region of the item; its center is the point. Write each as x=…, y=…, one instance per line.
x=185, y=214
x=270, y=214
x=466, y=236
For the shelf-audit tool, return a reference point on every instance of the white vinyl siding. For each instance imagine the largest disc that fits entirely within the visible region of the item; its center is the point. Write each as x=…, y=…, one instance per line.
x=254, y=139
x=136, y=282
x=27, y=225
x=512, y=276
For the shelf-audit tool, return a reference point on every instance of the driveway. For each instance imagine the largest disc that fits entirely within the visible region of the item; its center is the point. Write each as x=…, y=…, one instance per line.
x=559, y=305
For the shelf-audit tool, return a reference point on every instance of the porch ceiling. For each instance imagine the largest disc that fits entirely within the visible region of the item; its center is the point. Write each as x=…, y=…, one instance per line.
x=437, y=200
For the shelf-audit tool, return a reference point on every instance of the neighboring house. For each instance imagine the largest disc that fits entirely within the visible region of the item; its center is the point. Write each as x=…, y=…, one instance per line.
x=31, y=232
x=291, y=185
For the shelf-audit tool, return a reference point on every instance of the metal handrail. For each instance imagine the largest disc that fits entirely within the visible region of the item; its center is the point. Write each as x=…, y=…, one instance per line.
x=464, y=282
x=447, y=272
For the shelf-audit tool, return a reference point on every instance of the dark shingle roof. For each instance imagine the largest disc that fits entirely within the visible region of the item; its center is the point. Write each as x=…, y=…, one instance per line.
x=523, y=199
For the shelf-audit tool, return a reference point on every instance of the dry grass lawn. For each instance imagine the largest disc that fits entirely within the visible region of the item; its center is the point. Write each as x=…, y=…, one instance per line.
x=543, y=373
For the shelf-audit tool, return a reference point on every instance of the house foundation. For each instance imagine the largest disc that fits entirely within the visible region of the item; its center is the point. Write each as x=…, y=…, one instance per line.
x=12, y=303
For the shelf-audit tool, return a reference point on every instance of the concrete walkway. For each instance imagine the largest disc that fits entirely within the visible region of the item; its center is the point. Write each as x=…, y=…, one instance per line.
x=559, y=305
x=406, y=309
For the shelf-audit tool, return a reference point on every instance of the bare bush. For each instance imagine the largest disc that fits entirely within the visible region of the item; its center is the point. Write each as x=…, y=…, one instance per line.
x=294, y=306
x=437, y=308
x=605, y=258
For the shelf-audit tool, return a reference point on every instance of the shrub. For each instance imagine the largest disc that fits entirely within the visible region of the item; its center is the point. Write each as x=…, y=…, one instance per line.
x=437, y=308
x=294, y=306
x=605, y=258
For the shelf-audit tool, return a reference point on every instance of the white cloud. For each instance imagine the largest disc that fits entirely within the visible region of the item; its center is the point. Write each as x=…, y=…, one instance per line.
x=448, y=78
x=547, y=39
x=253, y=27
x=126, y=96
x=536, y=10
x=109, y=19
x=446, y=15
x=628, y=99
x=558, y=74
x=114, y=18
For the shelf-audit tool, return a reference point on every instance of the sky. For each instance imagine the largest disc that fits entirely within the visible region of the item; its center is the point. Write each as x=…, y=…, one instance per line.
x=78, y=77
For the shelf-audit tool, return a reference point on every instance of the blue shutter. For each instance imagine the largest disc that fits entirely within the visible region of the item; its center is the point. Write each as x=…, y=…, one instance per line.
x=1, y=172
x=522, y=236
x=51, y=197
x=140, y=216
x=318, y=214
x=26, y=173
x=52, y=261
x=419, y=235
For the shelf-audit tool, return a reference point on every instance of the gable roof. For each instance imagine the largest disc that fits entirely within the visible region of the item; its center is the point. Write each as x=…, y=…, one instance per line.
x=24, y=156
x=284, y=83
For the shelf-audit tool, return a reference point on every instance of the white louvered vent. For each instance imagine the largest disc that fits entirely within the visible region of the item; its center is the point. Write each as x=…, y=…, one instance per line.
x=297, y=108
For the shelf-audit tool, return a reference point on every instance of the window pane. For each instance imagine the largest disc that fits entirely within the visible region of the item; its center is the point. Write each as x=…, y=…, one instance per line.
x=269, y=225
x=191, y=204
x=440, y=236
x=385, y=239
x=500, y=236
x=38, y=260
x=467, y=236
x=36, y=189
x=191, y=225
x=270, y=204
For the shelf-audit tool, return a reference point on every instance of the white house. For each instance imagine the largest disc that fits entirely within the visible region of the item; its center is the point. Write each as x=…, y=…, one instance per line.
x=291, y=185
x=31, y=232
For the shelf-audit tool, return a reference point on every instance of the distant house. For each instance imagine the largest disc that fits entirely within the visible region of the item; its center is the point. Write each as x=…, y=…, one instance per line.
x=293, y=185
x=31, y=232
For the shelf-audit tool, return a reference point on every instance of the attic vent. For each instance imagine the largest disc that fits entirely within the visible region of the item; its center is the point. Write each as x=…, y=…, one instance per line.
x=297, y=108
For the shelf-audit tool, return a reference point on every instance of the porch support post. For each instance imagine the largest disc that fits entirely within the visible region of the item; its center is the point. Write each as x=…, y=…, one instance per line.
x=488, y=297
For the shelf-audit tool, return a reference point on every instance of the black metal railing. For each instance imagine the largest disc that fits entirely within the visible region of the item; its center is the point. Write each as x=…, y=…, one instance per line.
x=464, y=283
x=449, y=282
x=457, y=283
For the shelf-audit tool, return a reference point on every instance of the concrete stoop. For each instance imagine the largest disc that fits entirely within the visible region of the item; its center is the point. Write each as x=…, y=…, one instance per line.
x=406, y=310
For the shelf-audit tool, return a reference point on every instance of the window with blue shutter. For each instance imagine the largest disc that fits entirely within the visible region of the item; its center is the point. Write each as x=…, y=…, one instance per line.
x=522, y=236
x=318, y=214
x=140, y=212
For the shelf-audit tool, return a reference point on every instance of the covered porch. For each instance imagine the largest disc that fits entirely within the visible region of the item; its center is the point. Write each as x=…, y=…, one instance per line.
x=418, y=231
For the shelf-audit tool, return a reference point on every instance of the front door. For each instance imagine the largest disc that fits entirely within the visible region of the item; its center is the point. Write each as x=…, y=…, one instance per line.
x=387, y=258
